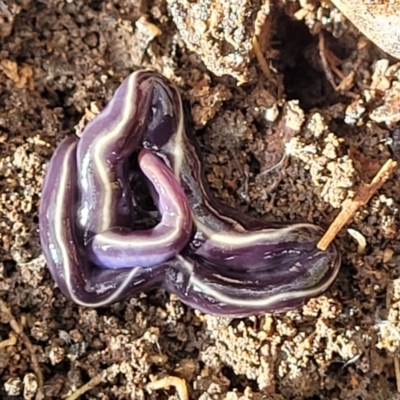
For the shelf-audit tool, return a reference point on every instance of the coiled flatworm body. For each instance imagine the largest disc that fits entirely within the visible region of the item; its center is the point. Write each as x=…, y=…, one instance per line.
x=211, y=256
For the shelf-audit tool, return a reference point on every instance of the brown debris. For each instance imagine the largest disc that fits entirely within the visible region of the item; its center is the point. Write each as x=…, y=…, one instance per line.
x=89, y=114
x=365, y=166
x=21, y=76
x=18, y=329
x=389, y=112
x=206, y=101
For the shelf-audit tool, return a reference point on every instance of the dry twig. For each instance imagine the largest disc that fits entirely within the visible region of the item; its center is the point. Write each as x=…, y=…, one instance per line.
x=324, y=61
x=11, y=341
x=260, y=57
x=165, y=383
x=328, y=63
x=351, y=206
x=397, y=372
x=396, y=360
x=96, y=380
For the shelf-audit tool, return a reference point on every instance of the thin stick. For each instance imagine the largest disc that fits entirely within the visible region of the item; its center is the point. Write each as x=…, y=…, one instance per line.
x=396, y=361
x=11, y=341
x=324, y=61
x=178, y=383
x=260, y=57
x=96, y=380
x=397, y=372
x=17, y=328
x=351, y=206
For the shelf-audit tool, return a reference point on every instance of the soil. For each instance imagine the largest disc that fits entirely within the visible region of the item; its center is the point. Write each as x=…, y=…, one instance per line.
x=290, y=142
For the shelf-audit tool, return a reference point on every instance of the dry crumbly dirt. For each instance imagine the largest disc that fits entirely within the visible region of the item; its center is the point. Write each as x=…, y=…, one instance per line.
x=289, y=146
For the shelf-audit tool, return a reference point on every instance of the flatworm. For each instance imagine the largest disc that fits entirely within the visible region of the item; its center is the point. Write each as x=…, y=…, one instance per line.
x=211, y=256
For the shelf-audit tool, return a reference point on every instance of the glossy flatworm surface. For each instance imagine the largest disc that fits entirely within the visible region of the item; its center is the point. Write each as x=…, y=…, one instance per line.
x=210, y=255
